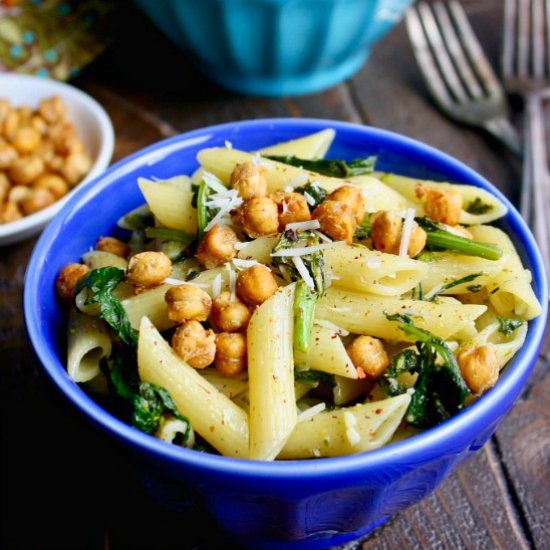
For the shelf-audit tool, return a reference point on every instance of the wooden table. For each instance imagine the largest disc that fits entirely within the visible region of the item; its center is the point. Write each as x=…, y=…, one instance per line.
x=499, y=499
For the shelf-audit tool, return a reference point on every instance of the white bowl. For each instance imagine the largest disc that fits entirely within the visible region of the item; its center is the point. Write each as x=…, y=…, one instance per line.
x=94, y=128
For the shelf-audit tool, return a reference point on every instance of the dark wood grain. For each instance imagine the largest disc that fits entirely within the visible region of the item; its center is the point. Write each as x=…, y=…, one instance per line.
x=499, y=499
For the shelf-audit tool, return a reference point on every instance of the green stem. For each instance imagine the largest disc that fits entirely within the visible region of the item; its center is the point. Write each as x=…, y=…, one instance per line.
x=202, y=214
x=304, y=308
x=440, y=238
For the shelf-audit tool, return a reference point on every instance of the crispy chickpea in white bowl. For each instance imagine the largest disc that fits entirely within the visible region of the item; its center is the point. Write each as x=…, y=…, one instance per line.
x=53, y=138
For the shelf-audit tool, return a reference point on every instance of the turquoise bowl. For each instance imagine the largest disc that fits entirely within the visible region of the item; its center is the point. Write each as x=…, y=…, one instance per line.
x=276, y=47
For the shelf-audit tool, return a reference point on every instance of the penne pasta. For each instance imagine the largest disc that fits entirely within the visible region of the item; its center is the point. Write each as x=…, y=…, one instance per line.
x=364, y=270
x=213, y=415
x=350, y=430
x=170, y=204
x=99, y=258
x=271, y=375
x=312, y=146
x=366, y=314
x=510, y=291
x=88, y=343
x=326, y=354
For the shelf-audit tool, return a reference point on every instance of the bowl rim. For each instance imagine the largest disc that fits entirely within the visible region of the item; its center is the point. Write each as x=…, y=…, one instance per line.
x=24, y=226
x=410, y=450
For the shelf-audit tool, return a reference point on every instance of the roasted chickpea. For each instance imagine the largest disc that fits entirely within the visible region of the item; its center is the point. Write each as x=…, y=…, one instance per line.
x=5, y=108
x=187, y=302
x=443, y=206
x=52, y=109
x=68, y=277
x=386, y=229
x=336, y=220
x=56, y=185
x=4, y=187
x=38, y=199
x=148, y=269
x=217, y=246
x=18, y=192
x=479, y=367
x=255, y=285
x=368, y=353
x=230, y=353
x=11, y=123
x=10, y=212
x=113, y=246
x=292, y=208
x=26, y=169
x=8, y=155
x=26, y=140
x=353, y=197
x=258, y=216
x=75, y=167
x=229, y=315
x=194, y=344
x=249, y=180
x=39, y=124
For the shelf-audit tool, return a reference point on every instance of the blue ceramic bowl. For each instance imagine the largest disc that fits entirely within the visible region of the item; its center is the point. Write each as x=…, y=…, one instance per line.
x=276, y=47
x=307, y=504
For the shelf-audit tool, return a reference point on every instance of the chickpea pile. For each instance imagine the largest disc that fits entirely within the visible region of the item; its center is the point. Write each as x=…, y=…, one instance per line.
x=41, y=157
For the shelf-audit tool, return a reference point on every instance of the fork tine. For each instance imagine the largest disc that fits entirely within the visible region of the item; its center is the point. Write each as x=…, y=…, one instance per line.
x=484, y=70
x=456, y=47
x=435, y=38
x=510, y=38
x=425, y=59
x=547, y=25
x=523, y=22
x=537, y=37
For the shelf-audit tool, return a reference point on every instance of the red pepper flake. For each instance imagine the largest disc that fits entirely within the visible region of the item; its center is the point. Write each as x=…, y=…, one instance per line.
x=212, y=428
x=378, y=411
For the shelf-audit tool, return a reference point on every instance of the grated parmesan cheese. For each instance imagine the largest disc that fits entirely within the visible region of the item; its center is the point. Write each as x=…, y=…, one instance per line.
x=241, y=245
x=406, y=232
x=228, y=145
x=311, y=412
x=303, y=226
x=323, y=237
x=300, y=179
x=309, y=199
x=289, y=189
x=216, y=285
x=303, y=271
x=285, y=207
x=214, y=182
x=352, y=434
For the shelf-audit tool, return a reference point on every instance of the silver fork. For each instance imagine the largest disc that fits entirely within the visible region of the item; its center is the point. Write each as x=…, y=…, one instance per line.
x=456, y=70
x=526, y=71
x=537, y=172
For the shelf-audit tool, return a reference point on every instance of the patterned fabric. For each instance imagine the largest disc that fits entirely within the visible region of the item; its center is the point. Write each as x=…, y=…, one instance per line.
x=53, y=38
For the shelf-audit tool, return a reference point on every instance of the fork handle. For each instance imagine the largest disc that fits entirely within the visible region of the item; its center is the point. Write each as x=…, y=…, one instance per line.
x=502, y=129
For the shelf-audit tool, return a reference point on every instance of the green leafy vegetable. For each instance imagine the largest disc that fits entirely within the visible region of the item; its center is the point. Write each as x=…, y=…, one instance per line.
x=304, y=308
x=140, y=218
x=166, y=234
x=100, y=284
x=316, y=192
x=314, y=377
x=454, y=283
x=305, y=297
x=363, y=231
x=439, y=238
x=440, y=390
x=507, y=326
x=150, y=405
x=332, y=168
x=204, y=214
x=477, y=206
